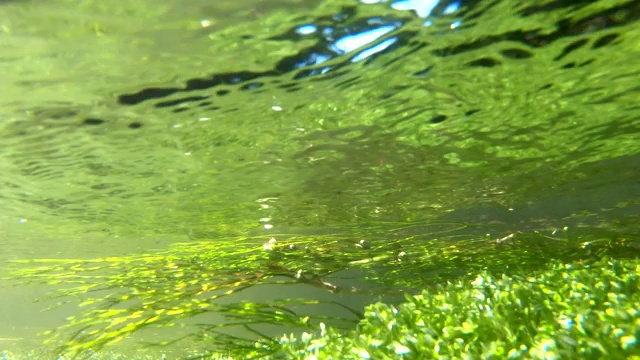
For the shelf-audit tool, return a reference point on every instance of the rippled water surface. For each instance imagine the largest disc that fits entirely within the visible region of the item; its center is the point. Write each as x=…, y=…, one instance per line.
x=128, y=126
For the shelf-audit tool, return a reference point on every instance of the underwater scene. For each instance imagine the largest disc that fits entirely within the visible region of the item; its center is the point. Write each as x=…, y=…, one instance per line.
x=325, y=179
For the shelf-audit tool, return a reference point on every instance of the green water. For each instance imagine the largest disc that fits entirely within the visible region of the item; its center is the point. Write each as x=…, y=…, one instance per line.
x=522, y=120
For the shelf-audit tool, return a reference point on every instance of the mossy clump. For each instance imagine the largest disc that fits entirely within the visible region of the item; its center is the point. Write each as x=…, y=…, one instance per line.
x=566, y=312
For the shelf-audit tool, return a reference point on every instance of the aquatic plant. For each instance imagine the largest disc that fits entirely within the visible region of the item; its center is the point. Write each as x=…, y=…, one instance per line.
x=567, y=311
x=173, y=289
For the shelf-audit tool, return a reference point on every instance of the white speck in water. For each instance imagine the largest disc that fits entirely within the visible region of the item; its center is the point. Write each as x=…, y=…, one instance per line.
x=270, y=244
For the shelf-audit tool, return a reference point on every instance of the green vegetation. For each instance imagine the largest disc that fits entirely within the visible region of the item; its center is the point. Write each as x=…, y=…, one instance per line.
x=566, y=312
x=515, y=306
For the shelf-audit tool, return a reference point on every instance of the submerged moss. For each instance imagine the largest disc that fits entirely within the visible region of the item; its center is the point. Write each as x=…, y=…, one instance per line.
x=571, y=311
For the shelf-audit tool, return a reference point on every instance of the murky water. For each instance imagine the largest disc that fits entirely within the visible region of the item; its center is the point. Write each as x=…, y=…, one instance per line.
x=126, y=127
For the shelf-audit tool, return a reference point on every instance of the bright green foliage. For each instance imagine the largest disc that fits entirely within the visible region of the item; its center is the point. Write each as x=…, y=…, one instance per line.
x=568, y=312
x=495, y=314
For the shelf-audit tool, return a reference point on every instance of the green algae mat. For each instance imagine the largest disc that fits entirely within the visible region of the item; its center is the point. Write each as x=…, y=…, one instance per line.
x=196, y=181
